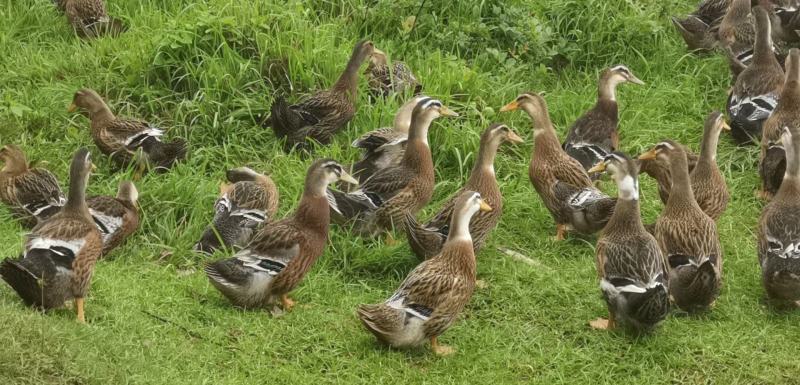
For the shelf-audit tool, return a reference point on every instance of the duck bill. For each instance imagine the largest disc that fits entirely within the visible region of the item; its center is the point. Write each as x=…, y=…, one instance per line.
x=633, y=79
x=444, y=111
x=347, y=178
x=485, y=207
x=725, y=125
x=650, y=155
x=510, y=106
x=514, y=138
x=72, y=108
x=377, y=52
x=600, y=167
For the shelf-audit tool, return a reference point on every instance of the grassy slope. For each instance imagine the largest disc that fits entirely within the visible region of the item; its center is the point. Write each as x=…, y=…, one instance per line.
x=199, y=68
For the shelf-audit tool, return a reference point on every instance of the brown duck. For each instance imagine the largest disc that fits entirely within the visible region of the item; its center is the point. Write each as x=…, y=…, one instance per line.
x=282, y=252
x=559, y=179
x=116, y=217
x=32, y=193
x=90, y=19
x=426, y=240
x=594, y=135
x=772, y=162
x=385, y=79
x=433, y=295
x=687, y=237
x=707, y=181
x=60, y=253
x=322, y=115
x=382, y=200
x=699, y=28
x=242, y=207
x=121, y=138
x=778, y=233
x=757, y=90
x=658, y=169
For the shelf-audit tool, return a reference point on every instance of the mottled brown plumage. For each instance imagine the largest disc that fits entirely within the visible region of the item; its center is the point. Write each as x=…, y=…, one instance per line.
x=687, y=237
x=779, y=230
x=60, y=253
x=90, y=19
x=32, y=193
x=122, y=138
x=772, y=162
x=382, y=200
x=658, y=169
x=594, y=135
x=281, y=252
x=116, y=217
x=699, y=28
x=384, y=79
x=426, y=240
x=250, y=200
x=629, y=261
x=560, y=180
x=322, y=115
x=432, y=296
x=708, y=184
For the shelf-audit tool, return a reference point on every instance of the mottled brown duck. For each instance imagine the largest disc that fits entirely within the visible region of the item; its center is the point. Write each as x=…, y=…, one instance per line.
x=385, y=79
x=32, y=193
x=90, y=19
x=658, y=169
x=116, y=217
x=699, y=28
x=708, y=184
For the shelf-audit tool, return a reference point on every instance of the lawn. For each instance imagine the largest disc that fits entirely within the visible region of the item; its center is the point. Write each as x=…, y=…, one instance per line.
x=207, y=70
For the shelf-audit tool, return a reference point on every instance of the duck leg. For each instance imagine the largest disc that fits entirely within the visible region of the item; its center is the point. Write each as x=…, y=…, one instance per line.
x=561, y=232
x=603, y=323
x=389, y=239
x=286, y=302
x=440, y=350
x=79, y=308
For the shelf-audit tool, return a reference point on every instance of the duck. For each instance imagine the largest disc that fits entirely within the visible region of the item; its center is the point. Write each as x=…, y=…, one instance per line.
x=737, y=31
x=560, y=180
x=32, y=193
x=384, y=79
x=658, y=169
x=244, y=204
x=90, y=19
x=594, y=135
x=323, y=114
x=708, y=183
x=698, y=29
x=385, y=146
x=116, y=217
x=122, y=138
x=772, y=160
x=757, y=90
x=281, y=252
x=629, y=262
x=778, y=233
x=688, y=237
x=433, y=295
x=785, y=20
x=426, y=240
x=378, y=206
x=60, y=253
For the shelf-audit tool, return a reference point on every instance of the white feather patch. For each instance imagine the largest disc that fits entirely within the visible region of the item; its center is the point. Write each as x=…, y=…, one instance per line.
x=628, y=188
x=150, y=131
x=74, y=245
x=111, y=223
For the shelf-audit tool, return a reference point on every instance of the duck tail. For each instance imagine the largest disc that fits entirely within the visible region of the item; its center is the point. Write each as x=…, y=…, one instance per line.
x=34, y=278
x=424, y=241
x=282, y=119
x=647, y=309
x=243, y=174
x=162, y=156
x=104, y=27
x=347, y=206
x=772, y=168
x=381, y=320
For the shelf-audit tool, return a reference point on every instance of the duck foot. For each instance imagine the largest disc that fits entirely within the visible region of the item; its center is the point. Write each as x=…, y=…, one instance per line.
x=79, y=307
x=441, y=350
x=602, y=324
x=481, y=284
x=561, y=232
x=389, y=240
x=287, y=303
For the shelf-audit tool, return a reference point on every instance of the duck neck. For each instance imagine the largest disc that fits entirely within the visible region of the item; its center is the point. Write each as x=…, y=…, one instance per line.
x=76, y=198
x=99, y=111
x=762, y=52
x=607, y=91
x=626, y=212
x=348, y=80
x=791, y=87
x=708, y=148
x=681, y=192
x=544, y=134
x=313, y=212
x=417, y=150
x=484, y=164
x=15, y=166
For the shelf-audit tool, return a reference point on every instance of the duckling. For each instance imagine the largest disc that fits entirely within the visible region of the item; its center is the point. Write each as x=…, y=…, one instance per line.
x=559, y=179
x=385, y=147
x=384, y=79
x=758, y=87
x=698, y=29
x=658, y=169
x=323, y=114
x=32, y=193
x=427, y=240
x=116, y=217
x=707, y=181
x=688, y=237
x=381, y=202
x=281, y=252
x=60, y=253
x=778, y=233
x=250, y=200
x=121, y=138
x=90, y=19
x=433, y=295
x=772, y=162
x=629, y=262
x=594, y=135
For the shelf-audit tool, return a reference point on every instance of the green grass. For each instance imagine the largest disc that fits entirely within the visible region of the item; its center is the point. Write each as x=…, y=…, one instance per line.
x=206, y=69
